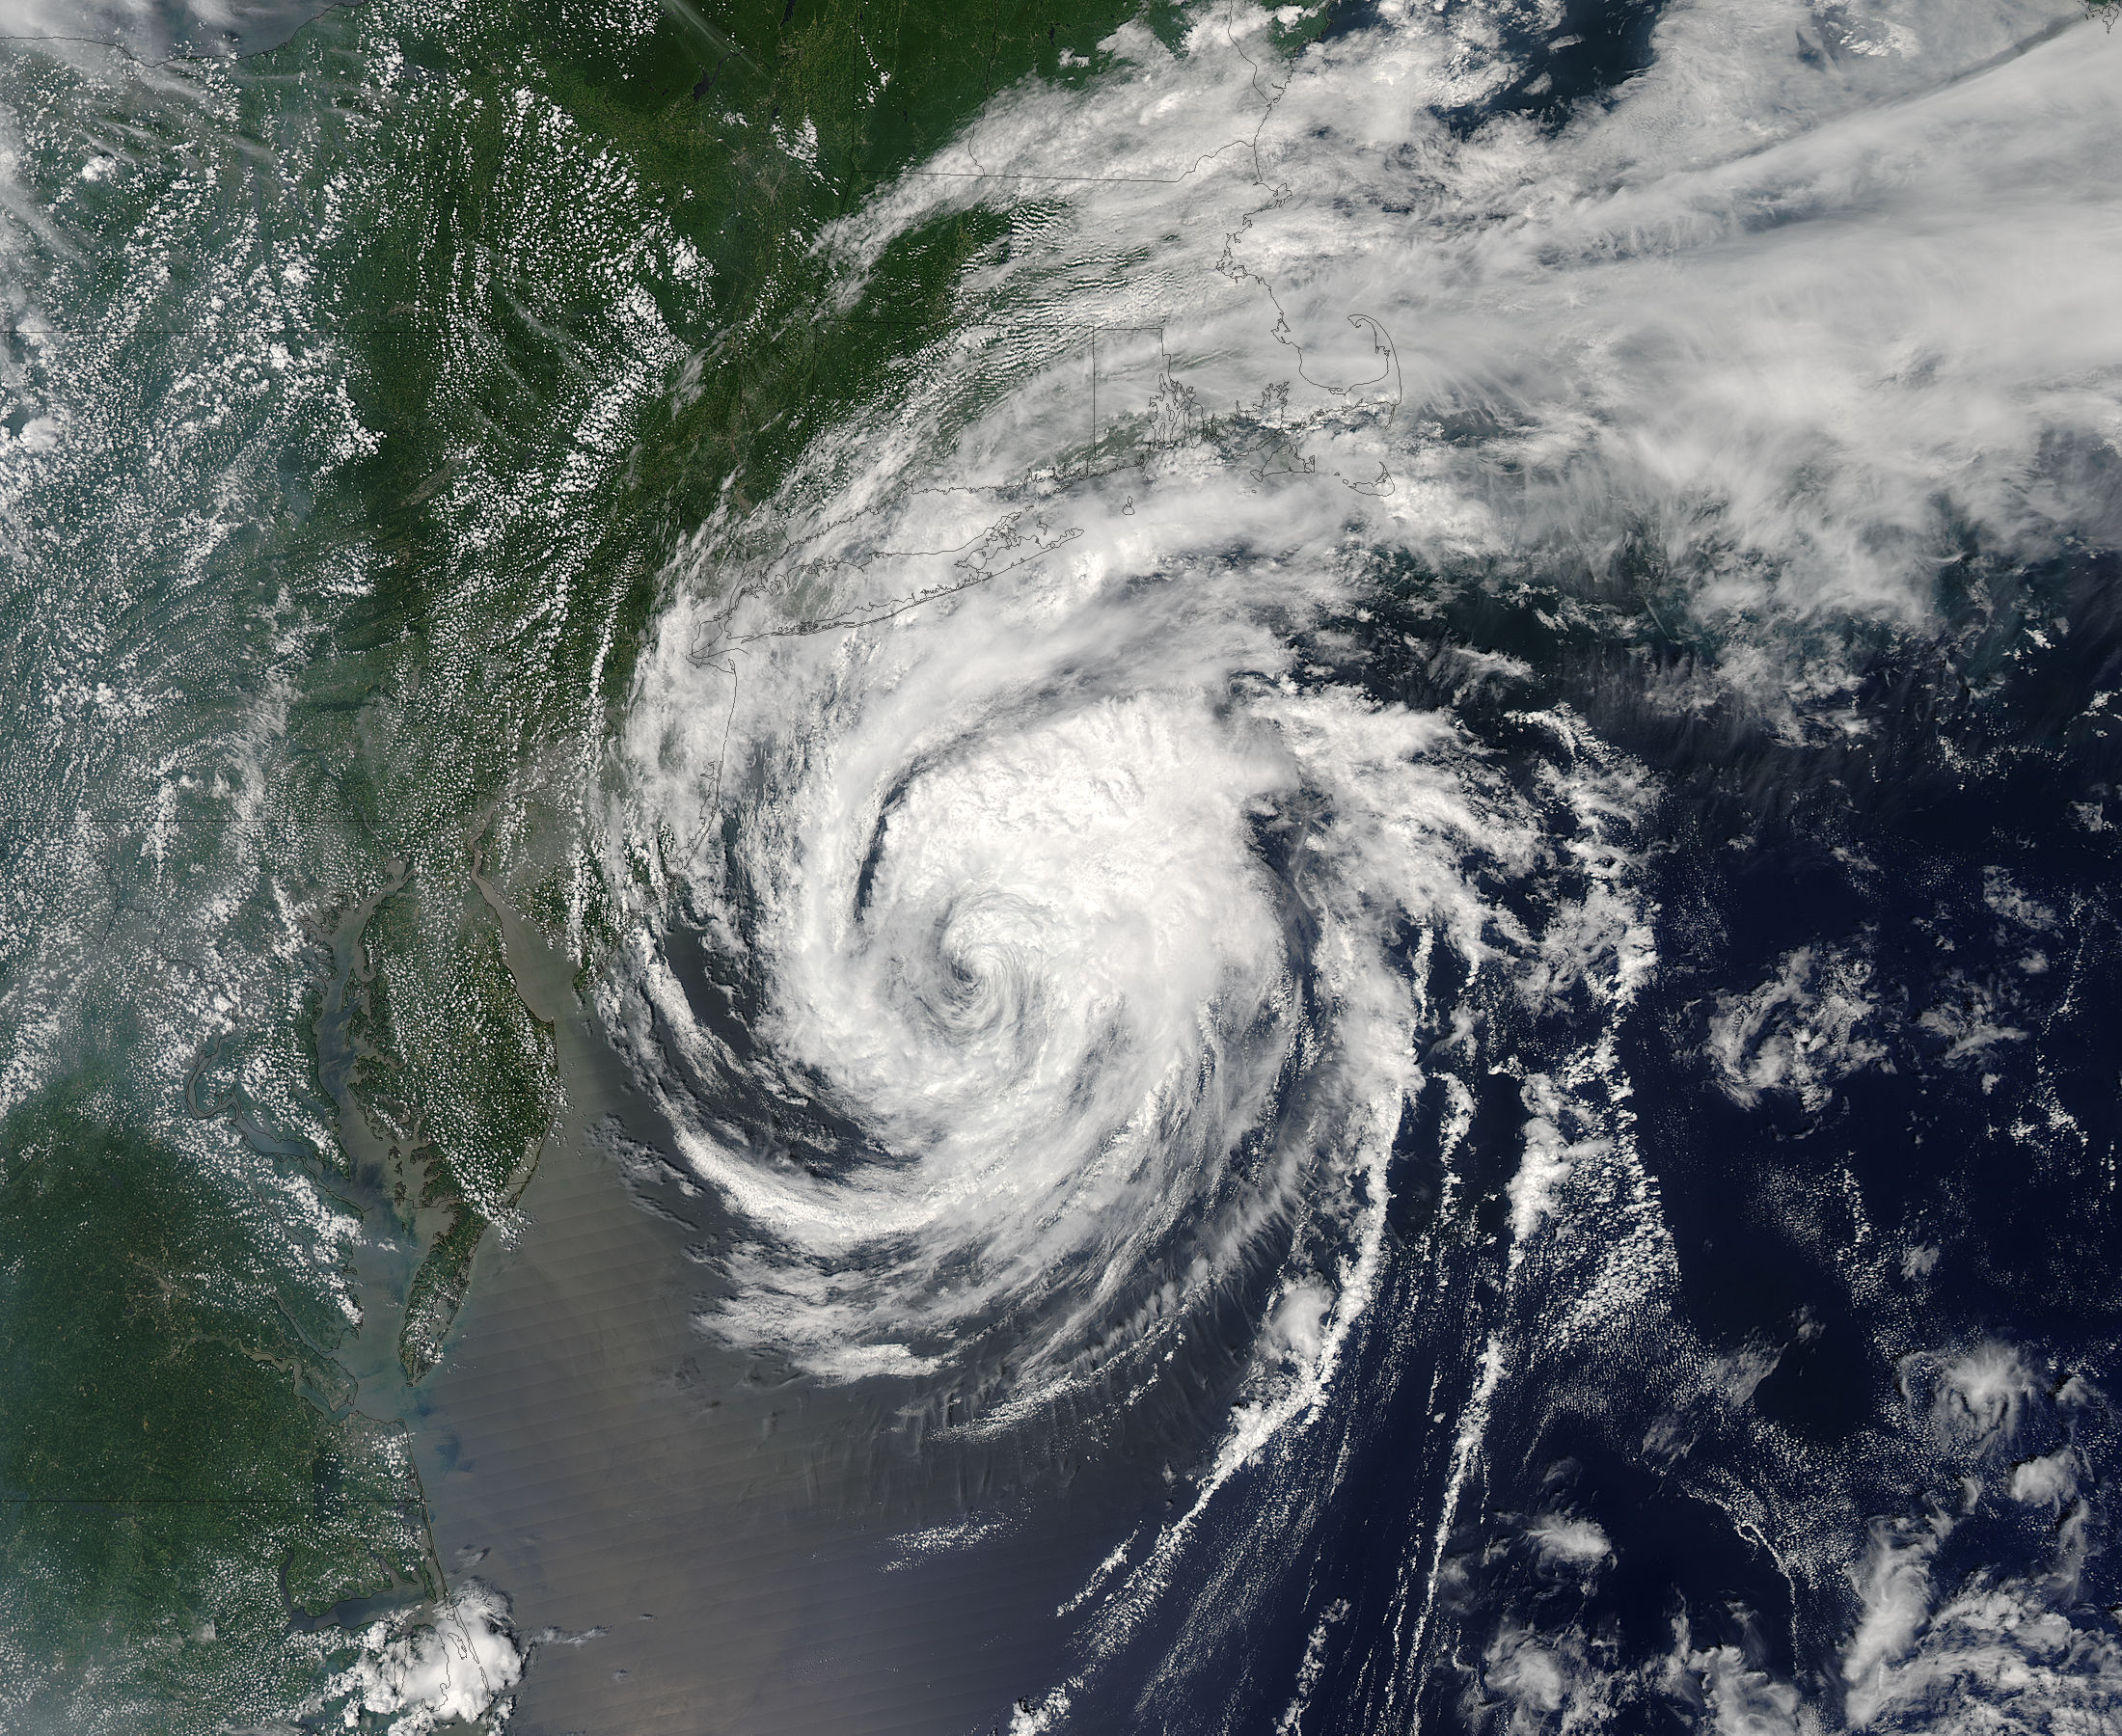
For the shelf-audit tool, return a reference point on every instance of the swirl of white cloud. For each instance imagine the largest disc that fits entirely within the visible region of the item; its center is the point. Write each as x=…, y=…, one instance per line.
x=1073, y=936
x=1064, y=914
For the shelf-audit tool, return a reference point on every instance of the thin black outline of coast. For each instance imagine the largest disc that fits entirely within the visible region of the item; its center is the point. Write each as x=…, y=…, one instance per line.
x=227, y=46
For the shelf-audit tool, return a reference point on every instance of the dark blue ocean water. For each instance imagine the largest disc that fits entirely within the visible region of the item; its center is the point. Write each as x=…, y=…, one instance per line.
x=1734, y=1350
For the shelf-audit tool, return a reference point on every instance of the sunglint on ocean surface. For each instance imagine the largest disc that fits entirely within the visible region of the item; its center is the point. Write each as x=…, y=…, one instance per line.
x=876, y=866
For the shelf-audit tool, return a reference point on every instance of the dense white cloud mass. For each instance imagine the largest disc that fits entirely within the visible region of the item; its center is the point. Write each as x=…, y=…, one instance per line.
x=448, y=1671
x=1037, y=921
x=1081, y=918
x=1798, y=329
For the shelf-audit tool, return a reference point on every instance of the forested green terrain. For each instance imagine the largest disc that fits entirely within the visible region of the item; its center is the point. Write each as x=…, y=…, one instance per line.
x=358, y=394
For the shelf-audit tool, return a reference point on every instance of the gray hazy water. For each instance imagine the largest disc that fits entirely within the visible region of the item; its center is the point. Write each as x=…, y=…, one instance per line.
x=741, y=1538
x=155, y=30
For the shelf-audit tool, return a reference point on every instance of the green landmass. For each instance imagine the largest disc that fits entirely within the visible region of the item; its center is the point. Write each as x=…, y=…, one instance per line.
x=543, y=168
x=180, y=1464
x=558, y=264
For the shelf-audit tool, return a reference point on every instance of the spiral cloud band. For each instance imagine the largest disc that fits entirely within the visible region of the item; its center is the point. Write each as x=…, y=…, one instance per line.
x=1080, y=936
x=1032, y=920
x=1048, y=906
